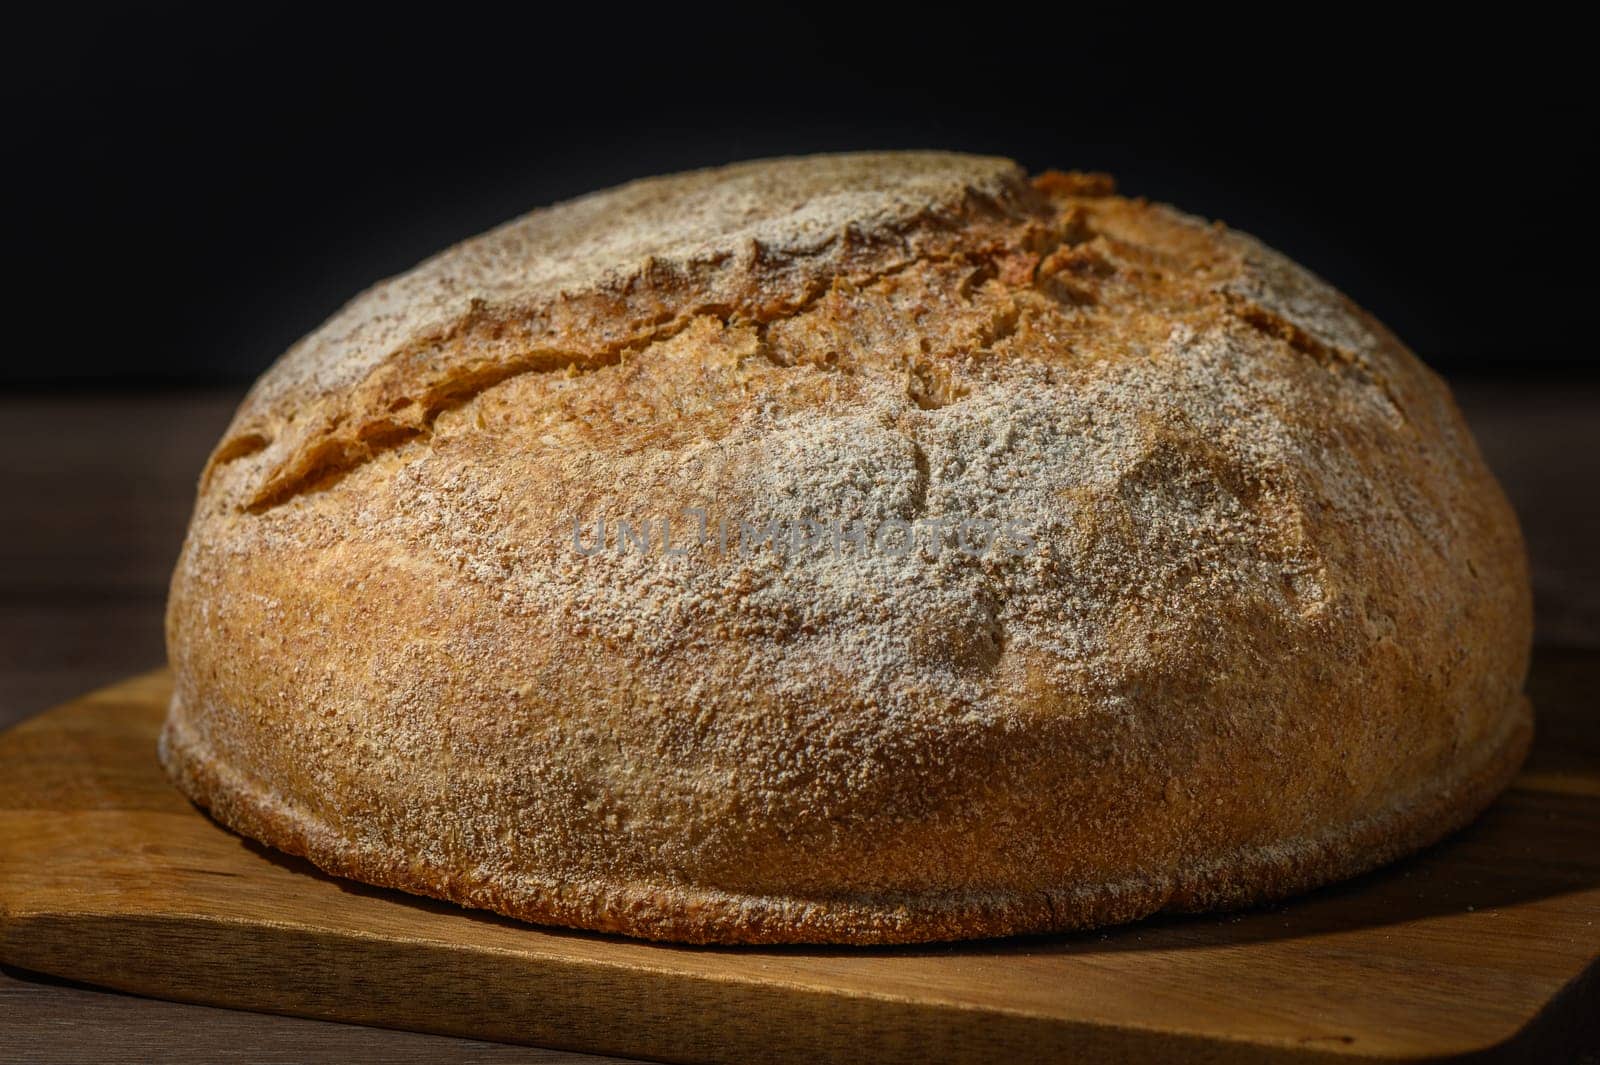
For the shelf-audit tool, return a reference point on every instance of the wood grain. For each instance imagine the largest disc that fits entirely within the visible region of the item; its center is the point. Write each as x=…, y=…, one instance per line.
x=45, y=1021
x=1485, y=944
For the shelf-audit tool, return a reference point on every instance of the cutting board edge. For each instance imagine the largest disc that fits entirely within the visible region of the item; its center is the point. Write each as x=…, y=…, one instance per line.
x=735, y=1019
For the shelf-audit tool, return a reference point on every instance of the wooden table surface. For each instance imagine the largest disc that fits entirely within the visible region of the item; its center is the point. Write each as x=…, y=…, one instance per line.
x=98, y=490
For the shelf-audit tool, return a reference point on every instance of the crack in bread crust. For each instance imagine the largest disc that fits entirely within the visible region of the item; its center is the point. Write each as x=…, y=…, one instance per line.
x=533, y=310
x=350, y=441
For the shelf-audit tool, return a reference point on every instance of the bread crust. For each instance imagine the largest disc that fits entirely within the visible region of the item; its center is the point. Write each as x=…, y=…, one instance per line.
x=1265, y=625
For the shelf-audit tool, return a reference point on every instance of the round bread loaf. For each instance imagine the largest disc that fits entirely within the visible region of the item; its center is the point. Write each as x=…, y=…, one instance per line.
x=859, y=549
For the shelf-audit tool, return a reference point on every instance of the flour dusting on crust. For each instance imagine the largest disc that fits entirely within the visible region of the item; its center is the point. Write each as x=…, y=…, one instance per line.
x=1257, y=616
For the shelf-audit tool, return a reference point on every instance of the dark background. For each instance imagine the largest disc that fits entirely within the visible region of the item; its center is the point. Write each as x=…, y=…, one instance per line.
x=196, y=189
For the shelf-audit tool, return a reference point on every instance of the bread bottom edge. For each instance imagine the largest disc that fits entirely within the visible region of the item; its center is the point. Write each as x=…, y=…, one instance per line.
x=674, y=913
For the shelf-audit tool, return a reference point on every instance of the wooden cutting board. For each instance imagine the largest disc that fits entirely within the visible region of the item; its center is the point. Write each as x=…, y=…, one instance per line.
x=1487, y=943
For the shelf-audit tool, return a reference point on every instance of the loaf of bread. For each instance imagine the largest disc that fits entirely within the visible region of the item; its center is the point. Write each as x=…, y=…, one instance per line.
x=853, y=549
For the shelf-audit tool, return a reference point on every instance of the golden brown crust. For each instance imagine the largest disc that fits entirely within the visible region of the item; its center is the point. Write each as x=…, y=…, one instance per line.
x=687, y=914
x=1265, y=624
